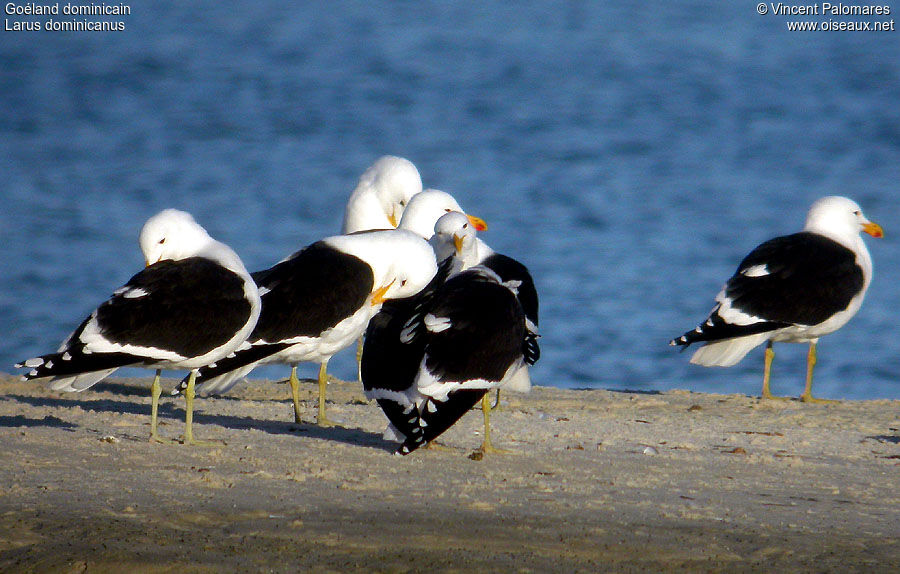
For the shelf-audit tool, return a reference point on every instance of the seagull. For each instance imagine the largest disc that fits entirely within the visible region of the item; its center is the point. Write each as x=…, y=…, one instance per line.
x=317, y=301
x=192, y=305
x=450, y=233
x=425, y=208
x=430, y=358
x=380, y=198
x=381, y=195
x=419, y=217
x=794, y=288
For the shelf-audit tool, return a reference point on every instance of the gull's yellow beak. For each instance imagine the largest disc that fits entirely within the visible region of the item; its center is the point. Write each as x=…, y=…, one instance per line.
x=477, y=222
x=457, y=243
x=392, y=217
x=378, y=294
x=873, y=229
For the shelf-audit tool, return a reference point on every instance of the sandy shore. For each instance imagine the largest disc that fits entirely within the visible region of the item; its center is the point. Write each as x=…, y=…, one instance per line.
x=597, y=480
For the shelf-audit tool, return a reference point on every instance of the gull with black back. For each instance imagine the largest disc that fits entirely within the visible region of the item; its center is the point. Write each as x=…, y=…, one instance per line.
x=794, y=288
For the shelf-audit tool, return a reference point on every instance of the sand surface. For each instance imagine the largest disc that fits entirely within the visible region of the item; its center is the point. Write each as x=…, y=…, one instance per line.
x=597, y=481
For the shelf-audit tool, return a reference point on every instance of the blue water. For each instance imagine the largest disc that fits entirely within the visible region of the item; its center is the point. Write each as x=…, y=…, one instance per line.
x=629, y=155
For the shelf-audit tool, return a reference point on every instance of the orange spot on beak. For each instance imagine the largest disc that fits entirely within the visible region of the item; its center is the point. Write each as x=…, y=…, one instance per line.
x=477, y=222
x=873, y=229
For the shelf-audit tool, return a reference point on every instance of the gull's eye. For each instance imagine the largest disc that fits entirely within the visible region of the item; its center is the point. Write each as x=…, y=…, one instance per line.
x=857, y=213
x=466, y=226
x=403, y=283
x=163, y=240
x=402, y=203
x=447, y=210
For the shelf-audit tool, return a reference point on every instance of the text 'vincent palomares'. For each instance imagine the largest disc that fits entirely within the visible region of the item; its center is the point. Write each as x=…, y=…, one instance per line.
x=828, y=9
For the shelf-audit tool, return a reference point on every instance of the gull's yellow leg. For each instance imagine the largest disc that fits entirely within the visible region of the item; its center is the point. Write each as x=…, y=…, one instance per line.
x=155, y=392
x=811, y=360
x=486, y=446
x=321, y=419
x=770, y=355
x=189, y=394
x=359, y=352
x=294, y=382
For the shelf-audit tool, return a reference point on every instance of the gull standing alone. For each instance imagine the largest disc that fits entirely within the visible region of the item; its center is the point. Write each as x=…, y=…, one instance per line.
x=192, y=305
x=795, y=288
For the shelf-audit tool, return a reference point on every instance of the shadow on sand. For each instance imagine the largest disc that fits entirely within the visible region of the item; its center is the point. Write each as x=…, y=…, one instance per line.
x=47, y=421
x=167, y=409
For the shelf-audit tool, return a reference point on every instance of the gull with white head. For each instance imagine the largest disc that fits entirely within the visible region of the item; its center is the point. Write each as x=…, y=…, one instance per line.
x=192, y=305
x=794, y=288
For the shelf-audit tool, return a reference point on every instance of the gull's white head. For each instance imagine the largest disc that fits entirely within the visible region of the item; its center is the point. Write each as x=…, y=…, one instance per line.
x=412, y=266
x=382, y=194
x=455, y=236
x=841, y=219
x=172, y=234
x=402, y=262
x=426, y=208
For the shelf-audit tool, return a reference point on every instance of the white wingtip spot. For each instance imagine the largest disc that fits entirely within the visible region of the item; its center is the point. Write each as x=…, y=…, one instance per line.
x=436, y=324
x=406, y=335
x=513, y=285
x=134, y=293
x=756, y=271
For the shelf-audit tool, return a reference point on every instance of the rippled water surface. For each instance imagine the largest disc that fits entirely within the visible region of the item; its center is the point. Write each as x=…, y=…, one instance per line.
x=629, y=156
